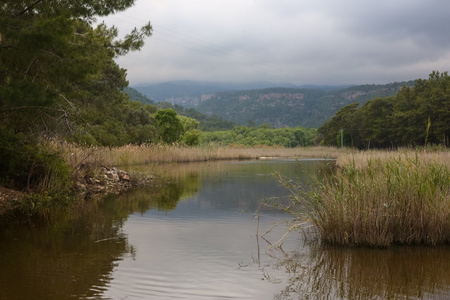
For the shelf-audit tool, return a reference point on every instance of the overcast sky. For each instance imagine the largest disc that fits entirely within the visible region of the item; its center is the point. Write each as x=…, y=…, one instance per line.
x=298, y=41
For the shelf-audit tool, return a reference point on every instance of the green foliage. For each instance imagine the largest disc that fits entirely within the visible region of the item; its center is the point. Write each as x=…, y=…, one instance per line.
x=59, y=80
x=341, y=120
x=170, y=127
x=31, y=165
x=56, y=70
x=253, y=136
x=414, y=117
x=192, y=137
x=136, y=96
x=192, y=134
x=188, y=123
x=207, y=122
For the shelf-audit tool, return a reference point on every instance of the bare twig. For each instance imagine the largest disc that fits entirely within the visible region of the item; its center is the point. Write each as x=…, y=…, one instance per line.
x=29, y=8
x=107, y=239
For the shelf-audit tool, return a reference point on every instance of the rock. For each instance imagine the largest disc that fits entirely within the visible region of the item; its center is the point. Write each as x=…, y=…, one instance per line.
x=124, y=176
x=108, y=180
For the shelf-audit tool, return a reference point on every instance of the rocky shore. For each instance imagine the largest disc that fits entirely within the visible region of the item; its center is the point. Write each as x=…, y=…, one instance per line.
x=8, y=199
x=88, y=184
x=106, y=181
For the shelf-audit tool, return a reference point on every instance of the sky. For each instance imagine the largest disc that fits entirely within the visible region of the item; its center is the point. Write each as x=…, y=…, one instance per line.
x=325, y=42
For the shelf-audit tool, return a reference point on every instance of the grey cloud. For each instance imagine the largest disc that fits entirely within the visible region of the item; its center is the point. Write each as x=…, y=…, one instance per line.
x=302, y=41
x=389, y=20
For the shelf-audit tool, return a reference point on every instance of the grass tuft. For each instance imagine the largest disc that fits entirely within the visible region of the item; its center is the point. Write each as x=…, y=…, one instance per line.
x=382, y=198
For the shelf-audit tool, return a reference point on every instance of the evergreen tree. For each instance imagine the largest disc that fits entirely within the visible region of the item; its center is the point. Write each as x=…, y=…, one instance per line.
x=58, y=78
x=416, y=116
x=52, y=62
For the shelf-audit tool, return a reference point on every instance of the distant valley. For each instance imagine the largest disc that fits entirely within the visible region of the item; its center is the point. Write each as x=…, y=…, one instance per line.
x=261, y=103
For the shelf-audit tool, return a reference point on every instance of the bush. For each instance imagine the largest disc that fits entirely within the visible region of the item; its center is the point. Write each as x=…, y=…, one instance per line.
x=192, y=137
x=28, y=164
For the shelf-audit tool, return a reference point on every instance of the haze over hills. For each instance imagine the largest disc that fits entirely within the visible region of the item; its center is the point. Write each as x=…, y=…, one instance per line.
x=184, y=92
x=306, y=106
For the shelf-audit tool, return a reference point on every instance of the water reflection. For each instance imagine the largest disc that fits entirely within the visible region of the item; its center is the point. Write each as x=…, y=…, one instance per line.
x=67, y=258
x=195, y=238
x=242, y=184
x=326, y=272
x=76, y=255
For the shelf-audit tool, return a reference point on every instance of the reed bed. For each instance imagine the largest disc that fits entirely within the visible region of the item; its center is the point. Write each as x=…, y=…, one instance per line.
x=361, y=159
x=381, y=198
x=375, y=198
x=147, y=154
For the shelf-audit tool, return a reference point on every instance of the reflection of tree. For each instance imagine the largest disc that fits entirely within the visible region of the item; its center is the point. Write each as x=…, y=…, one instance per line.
x=362, y=273
x=75, y=256
x=162, y=197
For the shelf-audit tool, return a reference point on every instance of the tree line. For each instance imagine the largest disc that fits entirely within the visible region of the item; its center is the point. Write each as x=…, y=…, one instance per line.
x=264, y=135
x=416, y=116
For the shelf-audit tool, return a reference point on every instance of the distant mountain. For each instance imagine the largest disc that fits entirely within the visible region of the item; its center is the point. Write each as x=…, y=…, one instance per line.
x=189, y=93
x=281, y=107
x=264, y=102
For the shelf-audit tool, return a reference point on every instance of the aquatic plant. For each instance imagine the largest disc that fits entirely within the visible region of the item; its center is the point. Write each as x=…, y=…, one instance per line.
x=381, y=200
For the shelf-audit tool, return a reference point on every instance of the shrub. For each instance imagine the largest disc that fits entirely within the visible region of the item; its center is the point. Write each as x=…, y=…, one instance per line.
x=31, y=165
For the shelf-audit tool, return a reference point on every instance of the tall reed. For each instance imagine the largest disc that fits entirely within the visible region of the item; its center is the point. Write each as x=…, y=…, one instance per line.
x=148, y=154
x=380, y=201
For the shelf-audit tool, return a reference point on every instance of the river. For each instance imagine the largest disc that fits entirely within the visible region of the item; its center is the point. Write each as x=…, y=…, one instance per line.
x=207, y=234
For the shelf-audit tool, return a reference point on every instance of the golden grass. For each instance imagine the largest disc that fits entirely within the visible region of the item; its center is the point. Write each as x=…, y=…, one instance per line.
x=148, y=154
x=383, y=198
x=361, y=159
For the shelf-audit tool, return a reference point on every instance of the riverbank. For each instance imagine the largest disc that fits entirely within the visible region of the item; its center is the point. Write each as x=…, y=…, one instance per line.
x=91, y=177
x=100, y=170
x=89, y=182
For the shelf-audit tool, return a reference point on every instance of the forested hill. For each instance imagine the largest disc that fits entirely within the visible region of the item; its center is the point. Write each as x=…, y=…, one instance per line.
x=188, y=93
x=136, y=96
x=281, y=107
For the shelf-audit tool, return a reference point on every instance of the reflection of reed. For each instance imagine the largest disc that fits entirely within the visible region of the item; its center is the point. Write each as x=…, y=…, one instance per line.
x=361, y=273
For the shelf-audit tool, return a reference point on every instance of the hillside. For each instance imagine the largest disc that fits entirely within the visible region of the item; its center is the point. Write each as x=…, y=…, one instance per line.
x=134, y=95
x=307, y=106
x=190, y=93
x=282, y=107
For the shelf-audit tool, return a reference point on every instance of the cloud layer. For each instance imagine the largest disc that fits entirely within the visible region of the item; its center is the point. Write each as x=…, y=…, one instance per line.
x=298, y=41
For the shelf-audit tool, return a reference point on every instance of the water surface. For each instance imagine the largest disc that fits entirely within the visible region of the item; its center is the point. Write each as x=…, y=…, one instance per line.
x=196, y=238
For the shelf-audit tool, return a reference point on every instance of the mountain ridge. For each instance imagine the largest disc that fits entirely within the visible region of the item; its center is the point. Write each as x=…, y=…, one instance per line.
x=281, y=106
x=176, y=91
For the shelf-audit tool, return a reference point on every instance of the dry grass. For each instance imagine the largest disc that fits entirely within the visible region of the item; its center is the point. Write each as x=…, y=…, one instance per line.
x=147, y=154
x=383, y=198
x=361, y=159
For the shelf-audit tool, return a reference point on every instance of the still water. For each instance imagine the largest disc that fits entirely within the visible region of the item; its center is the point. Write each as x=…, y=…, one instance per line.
x=197, y=237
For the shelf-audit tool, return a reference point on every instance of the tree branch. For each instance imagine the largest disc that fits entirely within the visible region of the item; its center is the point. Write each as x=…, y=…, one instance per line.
x=29, y=7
